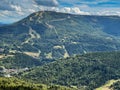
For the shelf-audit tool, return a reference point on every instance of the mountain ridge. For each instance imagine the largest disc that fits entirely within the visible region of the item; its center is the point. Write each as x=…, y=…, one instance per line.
x=41, y=34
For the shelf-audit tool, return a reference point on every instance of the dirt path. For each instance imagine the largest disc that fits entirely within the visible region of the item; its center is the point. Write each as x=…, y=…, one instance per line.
x=33, y=35
x=1, y=56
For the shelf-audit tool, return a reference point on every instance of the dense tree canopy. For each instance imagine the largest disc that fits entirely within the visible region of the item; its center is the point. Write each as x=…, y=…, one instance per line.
x=89, y=70
x=17, y=84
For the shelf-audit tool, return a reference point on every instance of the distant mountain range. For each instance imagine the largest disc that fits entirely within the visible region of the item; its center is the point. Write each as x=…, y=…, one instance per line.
x=52, y=35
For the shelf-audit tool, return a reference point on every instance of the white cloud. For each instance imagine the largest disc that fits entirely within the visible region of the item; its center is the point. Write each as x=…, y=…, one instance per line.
x=107, y=13
x=16, y=8
x=73, y=10
x=31, y=10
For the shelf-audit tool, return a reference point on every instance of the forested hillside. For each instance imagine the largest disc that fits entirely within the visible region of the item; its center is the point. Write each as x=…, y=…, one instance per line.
x=52, y=48
x=87, y=71
x=115, y=86
x=17, y=84
x=19, y=60
x=53, y=35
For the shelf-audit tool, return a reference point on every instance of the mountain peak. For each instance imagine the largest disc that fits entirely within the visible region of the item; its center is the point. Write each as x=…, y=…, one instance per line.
x=52, y=35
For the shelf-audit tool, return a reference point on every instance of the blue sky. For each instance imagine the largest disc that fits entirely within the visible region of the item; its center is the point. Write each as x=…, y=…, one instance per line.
x=14, y=10
x=91, y=3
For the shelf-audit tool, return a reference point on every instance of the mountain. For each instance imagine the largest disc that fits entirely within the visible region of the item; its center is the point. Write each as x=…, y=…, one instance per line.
x=52, y=35
x=88, y=45
x=86, y=72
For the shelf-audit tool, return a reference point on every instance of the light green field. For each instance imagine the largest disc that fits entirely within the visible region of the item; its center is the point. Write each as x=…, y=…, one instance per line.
x=107, y=85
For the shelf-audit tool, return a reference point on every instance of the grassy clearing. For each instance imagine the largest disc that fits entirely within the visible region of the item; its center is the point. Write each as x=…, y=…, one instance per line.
x=107, y=85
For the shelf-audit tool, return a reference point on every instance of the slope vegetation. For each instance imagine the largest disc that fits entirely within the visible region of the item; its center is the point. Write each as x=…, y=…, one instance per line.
x=87, y=71
x=16, y=84
x=40, y=33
